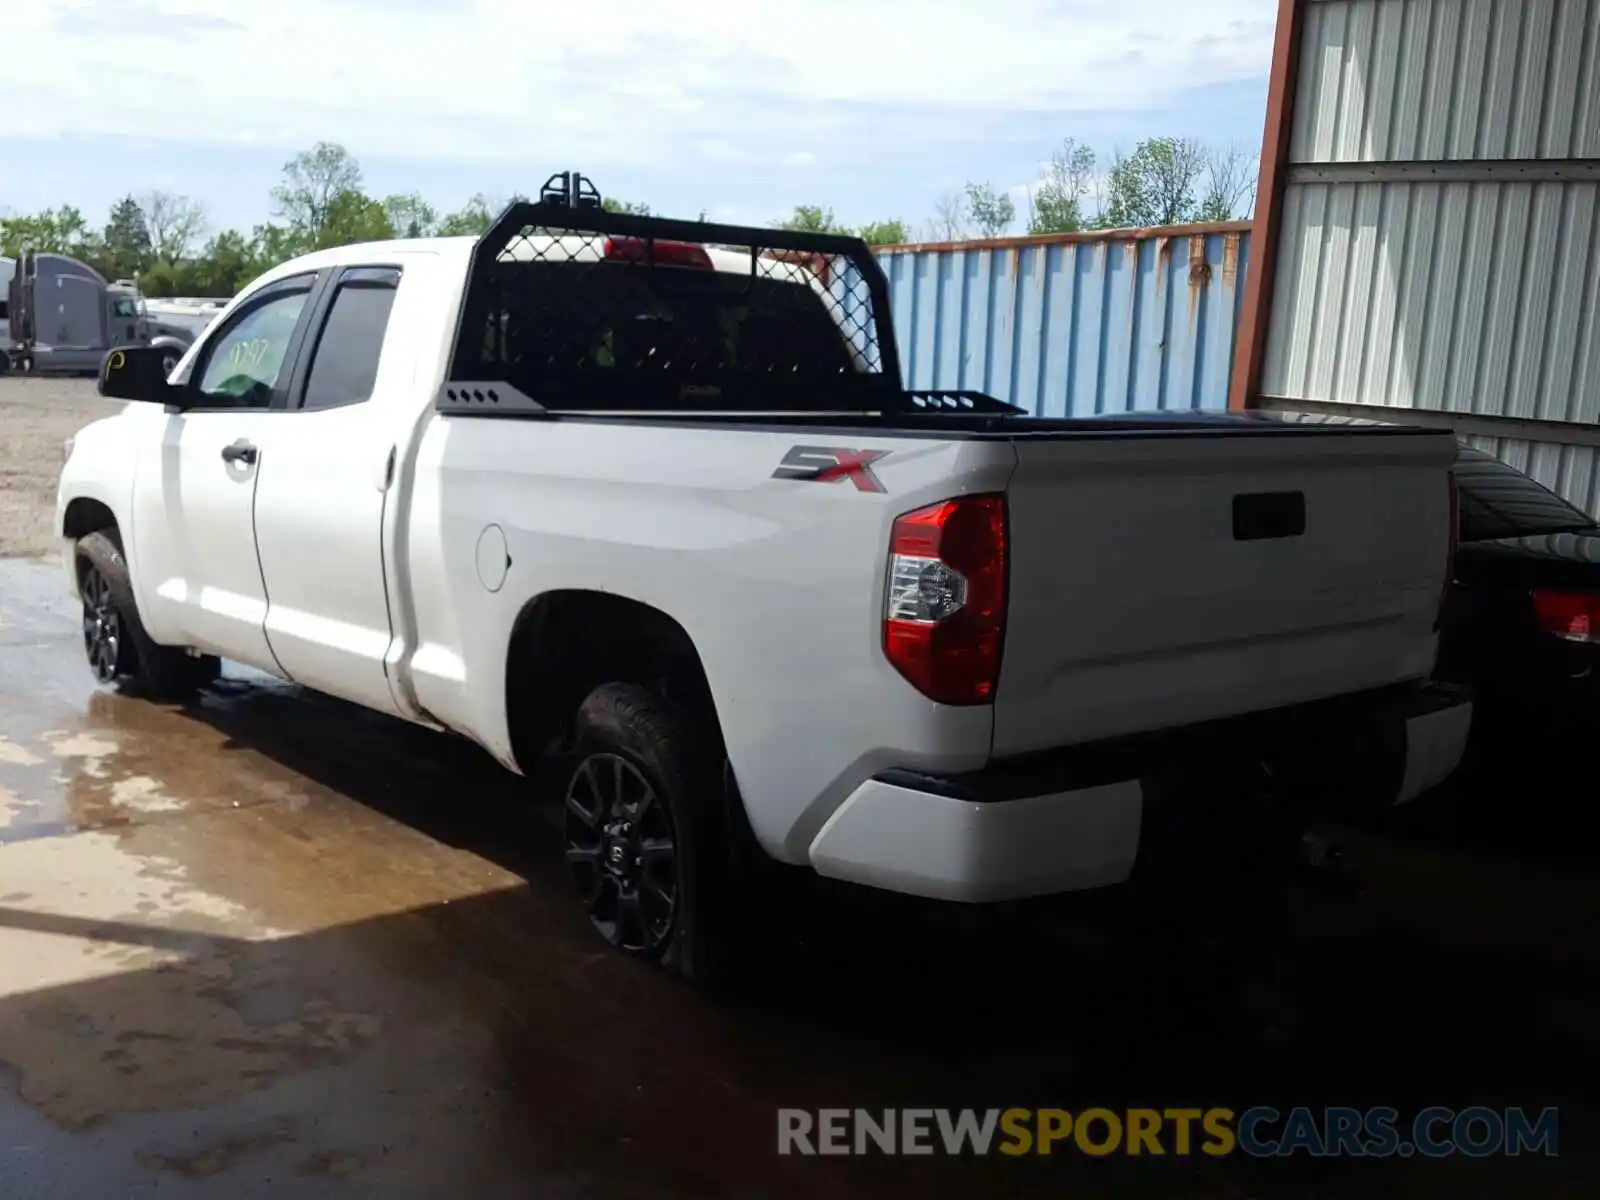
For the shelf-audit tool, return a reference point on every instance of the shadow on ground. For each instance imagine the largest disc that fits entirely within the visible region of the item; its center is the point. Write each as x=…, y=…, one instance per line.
x=479, y=1046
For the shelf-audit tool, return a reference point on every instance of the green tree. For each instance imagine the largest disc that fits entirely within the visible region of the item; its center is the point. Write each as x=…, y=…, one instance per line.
x=410, y=216
x=314, y=181
x=223, y=267
x=272, y=244
x=991, y=211
x=352, y=216
x=127, y=251
x=613, y=205
x=1056, y=202
x=893, y=232
x=56, y=230
x=472, y=220
x=1154, y=185
x=810, y=218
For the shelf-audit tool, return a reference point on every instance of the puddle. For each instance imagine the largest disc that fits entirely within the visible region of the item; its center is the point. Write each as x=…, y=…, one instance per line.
x=142, y=794
x=14, y=755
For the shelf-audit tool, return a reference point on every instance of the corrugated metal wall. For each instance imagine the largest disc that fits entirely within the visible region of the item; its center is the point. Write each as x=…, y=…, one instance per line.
x=1077, y=324
x=1439, y=246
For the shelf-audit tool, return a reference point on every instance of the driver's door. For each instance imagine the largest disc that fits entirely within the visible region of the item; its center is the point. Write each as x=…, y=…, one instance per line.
x=194, y=504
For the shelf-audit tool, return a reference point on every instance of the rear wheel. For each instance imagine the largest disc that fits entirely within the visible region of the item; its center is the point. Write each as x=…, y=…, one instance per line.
x=644, y=839
x=169, y=361
x=115, y=642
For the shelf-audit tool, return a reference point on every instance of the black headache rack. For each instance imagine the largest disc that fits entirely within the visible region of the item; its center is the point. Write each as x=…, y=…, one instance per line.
x=571, y=308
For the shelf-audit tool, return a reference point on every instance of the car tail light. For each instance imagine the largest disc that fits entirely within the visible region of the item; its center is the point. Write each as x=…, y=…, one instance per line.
x=945, y=613
x=1571, y=616
x=657, y=253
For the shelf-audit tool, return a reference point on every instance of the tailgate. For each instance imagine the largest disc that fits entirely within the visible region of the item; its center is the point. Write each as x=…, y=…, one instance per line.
x=1162, y=579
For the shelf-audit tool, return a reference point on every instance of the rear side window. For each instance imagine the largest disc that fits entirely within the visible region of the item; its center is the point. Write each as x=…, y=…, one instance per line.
x=1498, y=501
x=344, y=365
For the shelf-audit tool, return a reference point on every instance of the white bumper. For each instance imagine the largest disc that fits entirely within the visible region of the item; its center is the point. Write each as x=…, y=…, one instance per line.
x=892, y=835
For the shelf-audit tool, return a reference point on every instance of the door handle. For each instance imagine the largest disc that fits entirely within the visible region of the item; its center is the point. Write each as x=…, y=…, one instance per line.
x=240, y=451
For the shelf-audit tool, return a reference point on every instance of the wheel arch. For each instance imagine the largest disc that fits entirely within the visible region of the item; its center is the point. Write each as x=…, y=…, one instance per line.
x=82, y=516
x=565, y=643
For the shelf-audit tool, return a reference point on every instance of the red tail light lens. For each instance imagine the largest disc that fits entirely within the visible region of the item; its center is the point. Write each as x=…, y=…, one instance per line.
x=1573, y=617
x=662, y=254
x=945, y=613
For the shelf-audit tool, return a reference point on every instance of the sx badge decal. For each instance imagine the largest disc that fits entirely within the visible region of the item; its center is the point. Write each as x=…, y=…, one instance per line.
x=830, y=464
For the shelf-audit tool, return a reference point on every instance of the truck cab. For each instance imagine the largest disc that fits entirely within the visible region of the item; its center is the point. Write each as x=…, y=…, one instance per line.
x=65, y=317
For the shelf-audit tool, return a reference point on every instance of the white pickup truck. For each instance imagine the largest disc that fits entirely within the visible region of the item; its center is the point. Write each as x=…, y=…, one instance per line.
x=647, y=500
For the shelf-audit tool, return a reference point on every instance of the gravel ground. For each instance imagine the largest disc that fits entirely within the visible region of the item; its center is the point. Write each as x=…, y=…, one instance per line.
x=36, y=416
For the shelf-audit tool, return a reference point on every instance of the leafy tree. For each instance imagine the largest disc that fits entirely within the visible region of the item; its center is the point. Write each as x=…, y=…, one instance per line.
x=60, y=231
x=1155, y=184
x=893, y=232
x=810, y=218
x=473, y=220
x=1056, y=202
x=157, y=235
x=991, y=211
x=410, y=216
x=273, y=244
x=227, y=263
x=353, y=216
x=173, y=223
x=126, y=240
x=314, y=181
x=613, y=205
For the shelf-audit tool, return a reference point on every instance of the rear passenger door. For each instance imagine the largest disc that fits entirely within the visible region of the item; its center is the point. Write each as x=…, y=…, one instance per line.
x=324, y=486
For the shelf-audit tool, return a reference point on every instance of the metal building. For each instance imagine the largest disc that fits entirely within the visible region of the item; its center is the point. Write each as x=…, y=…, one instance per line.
x=1074, y=324
x=1428, y=238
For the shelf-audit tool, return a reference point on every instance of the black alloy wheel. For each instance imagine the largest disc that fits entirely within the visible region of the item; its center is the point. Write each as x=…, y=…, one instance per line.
x=622, y=849
x=102, y=626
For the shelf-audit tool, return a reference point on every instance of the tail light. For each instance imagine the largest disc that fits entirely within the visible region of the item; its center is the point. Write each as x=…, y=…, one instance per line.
x=657, y=253
x=1572, y=617
x=945, y=613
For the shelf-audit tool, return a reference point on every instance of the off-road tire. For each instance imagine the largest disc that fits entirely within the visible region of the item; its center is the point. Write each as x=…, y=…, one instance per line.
x=658, y=744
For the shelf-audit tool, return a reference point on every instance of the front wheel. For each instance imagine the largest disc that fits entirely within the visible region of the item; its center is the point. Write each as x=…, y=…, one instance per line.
x=114, y=639
x=643, y=836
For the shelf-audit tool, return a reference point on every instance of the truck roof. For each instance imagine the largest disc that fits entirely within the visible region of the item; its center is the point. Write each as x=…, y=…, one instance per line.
x=526, y=249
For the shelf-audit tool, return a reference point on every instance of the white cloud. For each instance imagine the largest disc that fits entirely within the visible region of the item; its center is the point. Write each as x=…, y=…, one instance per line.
x=640, y=82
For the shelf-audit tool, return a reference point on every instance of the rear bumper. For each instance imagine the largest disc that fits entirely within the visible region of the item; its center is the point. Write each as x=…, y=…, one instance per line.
x=1075, y=819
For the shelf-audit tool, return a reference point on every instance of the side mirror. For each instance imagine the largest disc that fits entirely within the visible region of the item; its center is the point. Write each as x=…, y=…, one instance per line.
x=137, y=373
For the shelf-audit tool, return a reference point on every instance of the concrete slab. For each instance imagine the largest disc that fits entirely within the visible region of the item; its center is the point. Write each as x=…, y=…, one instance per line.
x=269, y=943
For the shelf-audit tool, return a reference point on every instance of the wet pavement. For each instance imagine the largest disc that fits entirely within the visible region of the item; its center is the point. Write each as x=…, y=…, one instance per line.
x=269, y=942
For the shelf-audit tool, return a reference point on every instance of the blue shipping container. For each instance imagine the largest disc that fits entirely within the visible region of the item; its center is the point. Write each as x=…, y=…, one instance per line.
x=1074, y=324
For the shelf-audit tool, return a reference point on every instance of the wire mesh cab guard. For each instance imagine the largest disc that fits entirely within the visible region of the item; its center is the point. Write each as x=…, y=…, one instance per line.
x=570, y=307
x=573, y=308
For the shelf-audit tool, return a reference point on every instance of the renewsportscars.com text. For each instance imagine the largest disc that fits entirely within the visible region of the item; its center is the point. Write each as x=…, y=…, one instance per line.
x=1259, y=1132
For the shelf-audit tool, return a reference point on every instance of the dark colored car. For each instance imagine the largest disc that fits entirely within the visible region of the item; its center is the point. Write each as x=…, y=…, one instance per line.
x=1522, y=624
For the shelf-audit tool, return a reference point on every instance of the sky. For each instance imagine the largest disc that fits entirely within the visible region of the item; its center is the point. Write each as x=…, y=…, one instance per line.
x=873, y=108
